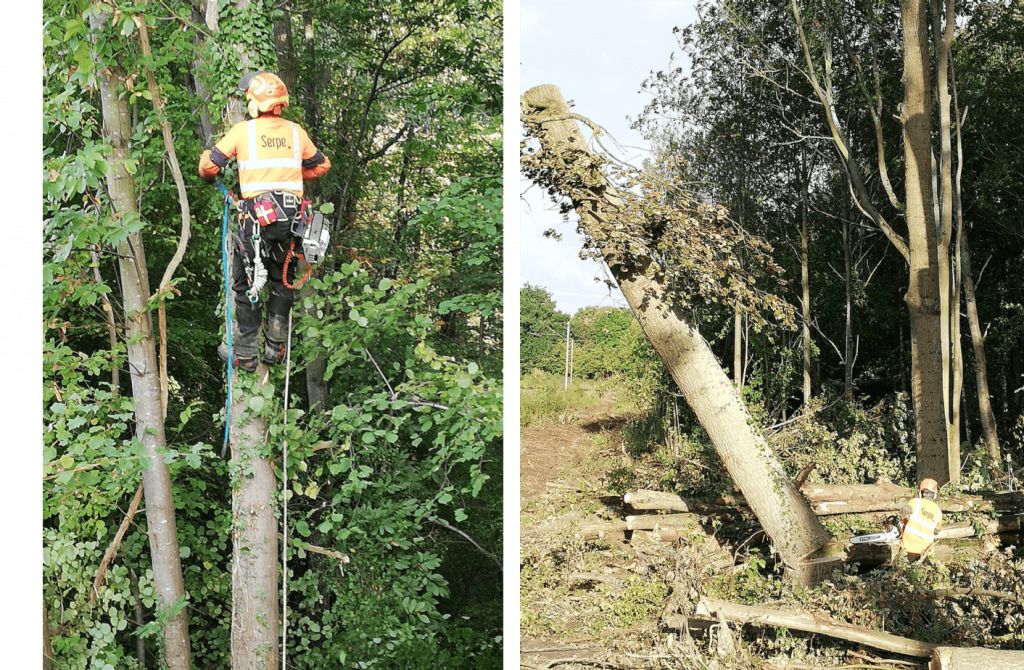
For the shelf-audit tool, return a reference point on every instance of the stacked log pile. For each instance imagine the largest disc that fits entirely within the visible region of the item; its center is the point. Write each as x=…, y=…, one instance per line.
x=957, y=539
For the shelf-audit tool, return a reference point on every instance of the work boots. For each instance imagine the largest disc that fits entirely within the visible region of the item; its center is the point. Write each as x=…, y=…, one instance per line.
x=277, y=333
x=244, y=348
x=247, y=363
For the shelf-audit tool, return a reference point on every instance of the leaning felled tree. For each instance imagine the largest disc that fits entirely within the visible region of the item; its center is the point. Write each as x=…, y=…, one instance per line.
x=670, y=255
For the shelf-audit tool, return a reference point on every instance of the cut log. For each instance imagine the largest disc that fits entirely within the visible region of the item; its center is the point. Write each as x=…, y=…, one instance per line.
x=1005, y=524
x=669, y=502
x=813, y=623
x=945, y=551
x=975, y=658
x=829, y=499
x=598, y=530
x=682, y=522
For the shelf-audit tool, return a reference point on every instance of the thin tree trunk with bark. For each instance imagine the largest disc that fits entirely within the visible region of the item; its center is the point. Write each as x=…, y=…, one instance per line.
x=47, y=647
x=206, y=131
x=805, y=283
x=254, y=573
x=737, y=348
x=782, y=511
x=848, y=347
x=952, y=368
x=988, y=417
x=142, y=362
x=254, y=576
x=934, y=458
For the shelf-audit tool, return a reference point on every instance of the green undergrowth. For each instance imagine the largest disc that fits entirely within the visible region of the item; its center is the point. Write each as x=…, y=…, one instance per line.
x=543, y=397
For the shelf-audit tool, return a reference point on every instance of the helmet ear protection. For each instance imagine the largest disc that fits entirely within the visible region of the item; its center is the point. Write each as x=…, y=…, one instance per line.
x=253, y=109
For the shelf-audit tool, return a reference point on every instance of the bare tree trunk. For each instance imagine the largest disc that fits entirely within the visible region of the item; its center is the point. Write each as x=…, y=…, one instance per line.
x=805, y=283
x=988, y=417
x=160, y=520
x=254, y=578
x=848, y=348
x=140, y=641
x=923, y=300
x=283, y=46
x=47, y=647
x=199, y=15
x=952, y=368
x=737, y=348
x=782, y=511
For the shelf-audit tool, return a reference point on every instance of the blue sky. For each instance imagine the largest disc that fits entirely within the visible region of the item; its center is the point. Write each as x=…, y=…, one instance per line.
x=598, y=53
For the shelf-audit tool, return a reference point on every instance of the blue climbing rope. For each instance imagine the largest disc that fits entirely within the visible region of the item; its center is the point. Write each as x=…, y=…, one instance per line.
x=227, y=306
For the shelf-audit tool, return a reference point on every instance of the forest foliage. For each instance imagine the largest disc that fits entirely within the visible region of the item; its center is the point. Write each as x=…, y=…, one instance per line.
x=402, y=461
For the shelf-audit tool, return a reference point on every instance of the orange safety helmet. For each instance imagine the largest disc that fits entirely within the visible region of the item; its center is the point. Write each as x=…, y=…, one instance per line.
x=929, y=484
x=264, y=91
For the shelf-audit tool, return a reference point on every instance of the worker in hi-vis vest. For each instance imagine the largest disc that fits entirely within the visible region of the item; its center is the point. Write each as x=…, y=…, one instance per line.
x=921, y=518
x=274, y=156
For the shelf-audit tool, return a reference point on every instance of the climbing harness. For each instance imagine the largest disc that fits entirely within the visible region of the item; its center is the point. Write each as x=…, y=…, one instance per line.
x=227, y=308
x=259, y=275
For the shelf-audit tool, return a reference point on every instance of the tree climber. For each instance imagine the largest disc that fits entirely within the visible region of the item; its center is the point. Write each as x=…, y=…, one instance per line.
x=274, y=156
x=921, y=517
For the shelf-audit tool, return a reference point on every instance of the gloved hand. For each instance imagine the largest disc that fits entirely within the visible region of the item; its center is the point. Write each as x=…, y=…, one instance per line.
x=207, y=168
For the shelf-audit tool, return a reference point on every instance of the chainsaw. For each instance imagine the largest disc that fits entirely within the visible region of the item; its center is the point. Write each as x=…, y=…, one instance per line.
x=895, y=529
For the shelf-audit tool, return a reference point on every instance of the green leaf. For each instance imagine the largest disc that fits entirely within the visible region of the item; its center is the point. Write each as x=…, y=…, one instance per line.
x=256, y=403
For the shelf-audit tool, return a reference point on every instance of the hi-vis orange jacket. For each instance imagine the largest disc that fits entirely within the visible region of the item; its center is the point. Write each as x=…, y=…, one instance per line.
x=274, y=154
x=922, y=518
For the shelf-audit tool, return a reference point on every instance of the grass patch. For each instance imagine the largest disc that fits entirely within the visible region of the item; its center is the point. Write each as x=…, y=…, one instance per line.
x=543, y=397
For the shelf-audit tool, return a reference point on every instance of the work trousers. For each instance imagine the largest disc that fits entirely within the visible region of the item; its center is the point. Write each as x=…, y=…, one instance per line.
x=275, y=243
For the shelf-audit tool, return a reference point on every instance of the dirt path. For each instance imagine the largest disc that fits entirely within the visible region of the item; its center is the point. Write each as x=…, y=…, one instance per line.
x=549, y=451
x=558, y=458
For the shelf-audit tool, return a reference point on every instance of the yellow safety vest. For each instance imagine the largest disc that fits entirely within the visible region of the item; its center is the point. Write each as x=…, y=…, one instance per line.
x=919, y=533
x=270, y=151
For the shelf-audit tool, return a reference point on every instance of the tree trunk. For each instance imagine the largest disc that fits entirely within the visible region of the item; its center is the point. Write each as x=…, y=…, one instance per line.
x=47, y=647
x=934, y=458
x=254, y=579
x=848, y=347
x=975, y=658
x=988, y=417
x=142, y=363
x=206, y=130
x=283, y=47
x=782, y=511
x=737, y=348
x=805, y=284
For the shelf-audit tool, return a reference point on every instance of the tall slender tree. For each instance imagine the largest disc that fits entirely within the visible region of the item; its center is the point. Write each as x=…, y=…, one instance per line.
x=142, y=360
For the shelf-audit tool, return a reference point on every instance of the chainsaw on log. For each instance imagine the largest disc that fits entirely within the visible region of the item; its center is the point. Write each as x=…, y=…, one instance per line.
x=893, y=532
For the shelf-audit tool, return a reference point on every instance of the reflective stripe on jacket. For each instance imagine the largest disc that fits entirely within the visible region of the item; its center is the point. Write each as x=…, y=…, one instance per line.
x=270, y=151
x=919, y=532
